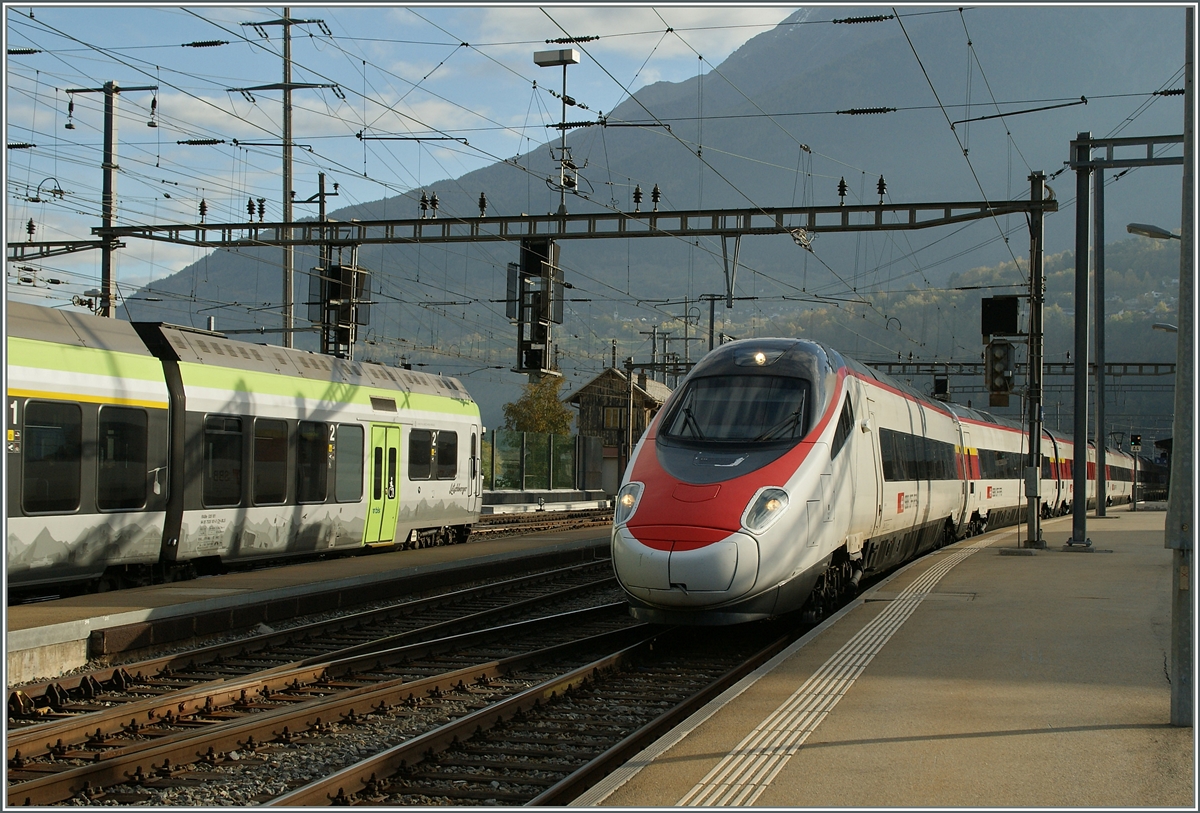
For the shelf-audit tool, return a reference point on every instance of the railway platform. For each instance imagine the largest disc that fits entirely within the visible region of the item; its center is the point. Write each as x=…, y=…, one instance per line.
x=980, y=676
x=46, y=639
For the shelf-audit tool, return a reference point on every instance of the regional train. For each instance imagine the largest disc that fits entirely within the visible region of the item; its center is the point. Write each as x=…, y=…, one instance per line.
x=143, y=452
x=780, y=472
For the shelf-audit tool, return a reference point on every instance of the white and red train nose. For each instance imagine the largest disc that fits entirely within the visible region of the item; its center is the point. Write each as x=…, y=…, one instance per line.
x=670, y=572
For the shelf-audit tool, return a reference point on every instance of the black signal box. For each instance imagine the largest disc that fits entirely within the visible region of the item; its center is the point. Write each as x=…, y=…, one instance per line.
x=999, y=316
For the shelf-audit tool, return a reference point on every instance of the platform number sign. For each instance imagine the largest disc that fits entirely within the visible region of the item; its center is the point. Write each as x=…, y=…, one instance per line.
x=14, y=433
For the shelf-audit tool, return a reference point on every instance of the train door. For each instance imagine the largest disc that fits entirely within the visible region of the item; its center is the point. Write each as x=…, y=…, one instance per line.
x=965, y=483
x=1052, y=495
x=383, y=501
x=475, y=486
x=875, y=464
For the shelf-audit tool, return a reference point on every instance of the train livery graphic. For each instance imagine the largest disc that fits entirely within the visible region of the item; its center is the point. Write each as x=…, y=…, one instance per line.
x=781, y=471
x=143, y=452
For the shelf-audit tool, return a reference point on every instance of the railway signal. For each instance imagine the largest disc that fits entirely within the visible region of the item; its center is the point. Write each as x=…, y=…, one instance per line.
x=998, y=370
x=535, y=297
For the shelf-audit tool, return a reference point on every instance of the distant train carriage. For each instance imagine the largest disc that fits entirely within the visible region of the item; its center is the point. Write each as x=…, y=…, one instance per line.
x=242, y=452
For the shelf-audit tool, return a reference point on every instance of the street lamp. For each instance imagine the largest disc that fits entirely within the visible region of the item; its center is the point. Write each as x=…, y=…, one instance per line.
x=1146, y=230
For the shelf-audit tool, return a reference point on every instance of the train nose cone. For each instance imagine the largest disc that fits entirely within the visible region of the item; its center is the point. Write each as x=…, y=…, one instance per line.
x=708, y=575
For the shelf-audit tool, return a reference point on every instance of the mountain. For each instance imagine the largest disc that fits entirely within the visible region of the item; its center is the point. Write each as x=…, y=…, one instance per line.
x=737, y=156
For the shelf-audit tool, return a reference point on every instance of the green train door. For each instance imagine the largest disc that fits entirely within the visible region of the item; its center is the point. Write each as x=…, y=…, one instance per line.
x=384, y=499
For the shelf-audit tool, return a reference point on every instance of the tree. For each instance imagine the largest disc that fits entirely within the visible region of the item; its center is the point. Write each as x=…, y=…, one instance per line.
x=539, y=410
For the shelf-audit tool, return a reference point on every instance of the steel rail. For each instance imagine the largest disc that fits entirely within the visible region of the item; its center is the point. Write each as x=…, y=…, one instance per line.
x=226, y=692
x=339, y=787
x=370, y=776
x=255, y=730
x=84, y=686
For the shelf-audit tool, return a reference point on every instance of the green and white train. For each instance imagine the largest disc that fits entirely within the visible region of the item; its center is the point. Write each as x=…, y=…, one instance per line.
x=146, y=452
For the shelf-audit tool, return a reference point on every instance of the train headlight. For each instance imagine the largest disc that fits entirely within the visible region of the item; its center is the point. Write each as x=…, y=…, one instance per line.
x=764, y=509
x=627, y=502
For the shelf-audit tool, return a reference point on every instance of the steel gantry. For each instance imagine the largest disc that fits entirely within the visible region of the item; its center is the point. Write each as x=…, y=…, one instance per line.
x=1086, y=164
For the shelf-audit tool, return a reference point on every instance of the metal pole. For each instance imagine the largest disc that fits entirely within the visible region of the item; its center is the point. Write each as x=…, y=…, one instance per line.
x=712, y=314
x=1037, y=286
x=108, y=201
x=1181, y=505
x=1079, y=482
x=562, y=186
x=1098, y=270
x=629, y=414
x=288, y=250
x=687, y=321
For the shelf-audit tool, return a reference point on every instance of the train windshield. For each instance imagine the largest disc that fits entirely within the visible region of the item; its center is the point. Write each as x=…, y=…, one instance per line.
x=742, y=408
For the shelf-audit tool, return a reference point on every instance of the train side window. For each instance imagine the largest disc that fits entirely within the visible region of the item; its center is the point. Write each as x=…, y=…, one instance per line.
x=348, y=463
x=121, y=458
x=420, y=454
x=845, y=424
x=905, y=456
x=222, y=461
x=887, y=453
x=447, y=455
x=312, y=462
x=53, y=448
x=270, y=461
x=377, y=476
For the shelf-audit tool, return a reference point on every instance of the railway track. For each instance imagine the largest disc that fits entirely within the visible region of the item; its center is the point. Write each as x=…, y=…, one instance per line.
x=206, y=722
x=551, y=742
x=491, y=526
x=62, y=704
x=538, y=709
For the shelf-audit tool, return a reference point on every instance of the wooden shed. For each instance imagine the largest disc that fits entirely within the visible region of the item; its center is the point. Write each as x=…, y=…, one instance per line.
x=603, y=405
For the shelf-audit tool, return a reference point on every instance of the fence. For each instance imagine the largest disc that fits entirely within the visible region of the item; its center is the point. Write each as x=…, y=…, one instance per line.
x=533, y=461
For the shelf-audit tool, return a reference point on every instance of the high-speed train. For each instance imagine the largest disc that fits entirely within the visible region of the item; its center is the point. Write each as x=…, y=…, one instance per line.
x=143, y=452
x=780, y=472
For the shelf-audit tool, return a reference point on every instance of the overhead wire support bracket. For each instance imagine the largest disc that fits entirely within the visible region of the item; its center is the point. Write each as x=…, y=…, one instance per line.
x=1082, y=100
x=361, y=136
x=1110, y=145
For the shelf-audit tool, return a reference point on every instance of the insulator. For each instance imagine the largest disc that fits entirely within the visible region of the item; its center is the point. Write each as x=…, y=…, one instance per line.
x=637, y=198
x=433, y=203
x=842, y=190
x=250, y=207
x=424, y=204
x=482, y=204
x=262, y=209
x=203, y=208
x=30, y=227
x=655, y=196
x=881, y=187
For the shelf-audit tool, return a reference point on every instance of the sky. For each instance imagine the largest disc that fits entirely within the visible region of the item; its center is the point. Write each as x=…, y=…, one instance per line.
x=445, y=74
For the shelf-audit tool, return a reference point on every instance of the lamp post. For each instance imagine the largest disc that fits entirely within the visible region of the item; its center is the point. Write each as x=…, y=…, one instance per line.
x=1180, y=532
x=1147, y=230
x=1180, y=497
x=550, y=59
